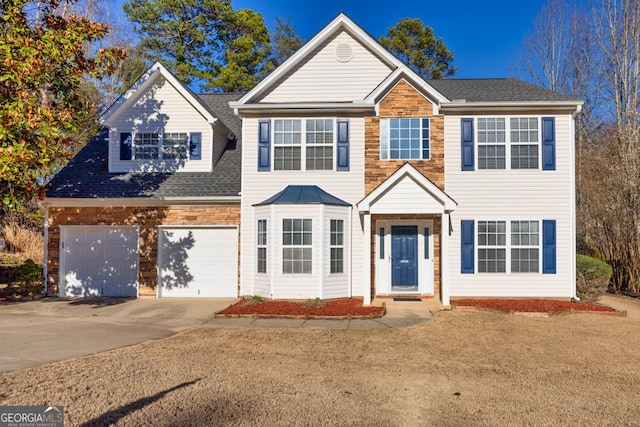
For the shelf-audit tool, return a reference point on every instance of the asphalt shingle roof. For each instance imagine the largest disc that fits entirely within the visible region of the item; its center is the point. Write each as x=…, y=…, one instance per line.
x=88, y=176
x=495, y=90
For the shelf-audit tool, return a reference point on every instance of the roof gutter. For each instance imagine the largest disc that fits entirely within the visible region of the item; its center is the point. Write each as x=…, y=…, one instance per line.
x=139, y=201
x=459, y=106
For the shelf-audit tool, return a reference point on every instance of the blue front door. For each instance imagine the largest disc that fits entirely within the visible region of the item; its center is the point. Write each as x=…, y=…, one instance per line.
x=404, y=257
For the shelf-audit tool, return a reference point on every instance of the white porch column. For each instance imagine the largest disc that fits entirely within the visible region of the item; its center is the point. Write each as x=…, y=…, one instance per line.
x=444, y=259
x=366, y=263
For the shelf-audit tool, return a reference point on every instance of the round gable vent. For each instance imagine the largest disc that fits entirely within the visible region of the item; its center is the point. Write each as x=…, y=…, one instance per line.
x=344, y=52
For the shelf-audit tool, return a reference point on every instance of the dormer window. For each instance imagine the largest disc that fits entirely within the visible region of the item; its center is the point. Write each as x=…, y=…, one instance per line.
x=166, y=146
x=145, y=146
x=174, y=146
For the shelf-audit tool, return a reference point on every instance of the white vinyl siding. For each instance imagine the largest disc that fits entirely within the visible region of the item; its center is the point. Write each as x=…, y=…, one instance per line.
x=220, y=141
x=406, y=189
x=161, y=109
x=311, y=80
x=512, y=195
x=258, y=186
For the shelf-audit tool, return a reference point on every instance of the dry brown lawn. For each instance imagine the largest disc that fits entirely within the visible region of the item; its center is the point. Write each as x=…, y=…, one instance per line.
x=461, y=368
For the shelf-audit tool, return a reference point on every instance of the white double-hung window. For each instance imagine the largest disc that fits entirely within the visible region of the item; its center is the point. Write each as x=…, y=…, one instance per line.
x=525, y=246
x=303, y=144
x=515, y=138
x=518, y=254
x=297, y=246
x=524, y=142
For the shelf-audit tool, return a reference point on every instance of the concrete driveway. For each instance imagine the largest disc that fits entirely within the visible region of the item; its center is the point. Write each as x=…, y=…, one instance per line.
x=51, y=329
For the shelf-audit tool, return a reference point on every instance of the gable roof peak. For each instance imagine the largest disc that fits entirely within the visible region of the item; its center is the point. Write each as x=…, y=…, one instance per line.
x=144, y=81
x=340, y=23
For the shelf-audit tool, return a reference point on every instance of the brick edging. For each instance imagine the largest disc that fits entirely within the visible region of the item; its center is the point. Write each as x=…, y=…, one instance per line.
x=616, y=313
x=304, y=316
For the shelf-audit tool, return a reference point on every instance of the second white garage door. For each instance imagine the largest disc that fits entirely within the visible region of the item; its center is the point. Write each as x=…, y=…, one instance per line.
x=198, y=262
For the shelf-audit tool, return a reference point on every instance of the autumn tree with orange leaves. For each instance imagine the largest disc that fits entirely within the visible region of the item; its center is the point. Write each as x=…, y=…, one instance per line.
x=43, y=65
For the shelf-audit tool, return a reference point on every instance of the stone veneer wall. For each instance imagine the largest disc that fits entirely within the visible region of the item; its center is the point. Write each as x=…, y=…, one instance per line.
x=403, y=101
x=437, y=262
x=147, y=218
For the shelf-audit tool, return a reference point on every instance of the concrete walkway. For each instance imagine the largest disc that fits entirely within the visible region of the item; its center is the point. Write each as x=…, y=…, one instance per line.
x=399, y=314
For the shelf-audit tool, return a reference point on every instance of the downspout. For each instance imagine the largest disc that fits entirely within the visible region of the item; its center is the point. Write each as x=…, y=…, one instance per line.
x=46, y=249
x=350, y=276
x=574, y=293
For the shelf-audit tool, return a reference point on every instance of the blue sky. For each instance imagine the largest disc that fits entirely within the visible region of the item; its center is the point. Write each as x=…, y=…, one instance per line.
x=485, y=36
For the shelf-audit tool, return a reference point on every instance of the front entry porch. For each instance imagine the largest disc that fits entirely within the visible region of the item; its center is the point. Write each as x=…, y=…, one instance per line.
x=406, y=228
x=403, y=252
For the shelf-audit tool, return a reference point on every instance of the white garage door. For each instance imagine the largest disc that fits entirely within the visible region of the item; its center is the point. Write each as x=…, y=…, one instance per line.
x=99, y=261
x=198, y=262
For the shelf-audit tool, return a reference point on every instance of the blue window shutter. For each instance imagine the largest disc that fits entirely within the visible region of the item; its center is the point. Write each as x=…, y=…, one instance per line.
x=467, y=144
x=264, y=145
x=548, y=143
x=195, y=146
x=125, y=146
x=467, y=240
x=549, y=246
x=343, y=146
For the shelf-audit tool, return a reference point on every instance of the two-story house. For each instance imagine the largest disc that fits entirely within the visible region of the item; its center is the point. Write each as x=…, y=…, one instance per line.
x=342, y=174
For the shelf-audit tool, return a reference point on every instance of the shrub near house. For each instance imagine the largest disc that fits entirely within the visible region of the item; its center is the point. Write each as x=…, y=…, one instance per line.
x=592, y=278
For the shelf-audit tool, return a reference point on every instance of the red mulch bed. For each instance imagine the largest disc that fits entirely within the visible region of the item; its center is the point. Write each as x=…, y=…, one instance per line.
x=344, y=307
x=531, y=305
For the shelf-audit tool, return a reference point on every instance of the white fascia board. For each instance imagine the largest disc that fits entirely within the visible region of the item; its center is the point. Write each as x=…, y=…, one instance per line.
x=340, y=22
x=404, y=73
x=142, y=83
x=502, y=105
x=447, y=202
x=127, y=202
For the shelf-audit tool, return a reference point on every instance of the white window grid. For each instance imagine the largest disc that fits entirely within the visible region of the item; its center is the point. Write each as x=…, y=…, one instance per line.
x=524, y=142
x=319, y=144
x=492, y=246
x=491, y=143
x=262, y=246
x=297, y=249
x=405, y=138
x=310, y=139
x=502, y=138
x=525, y=246
x=519, y=253
x=336, y=245
x=146, y=146
x=155, y=146
x=174, y=145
